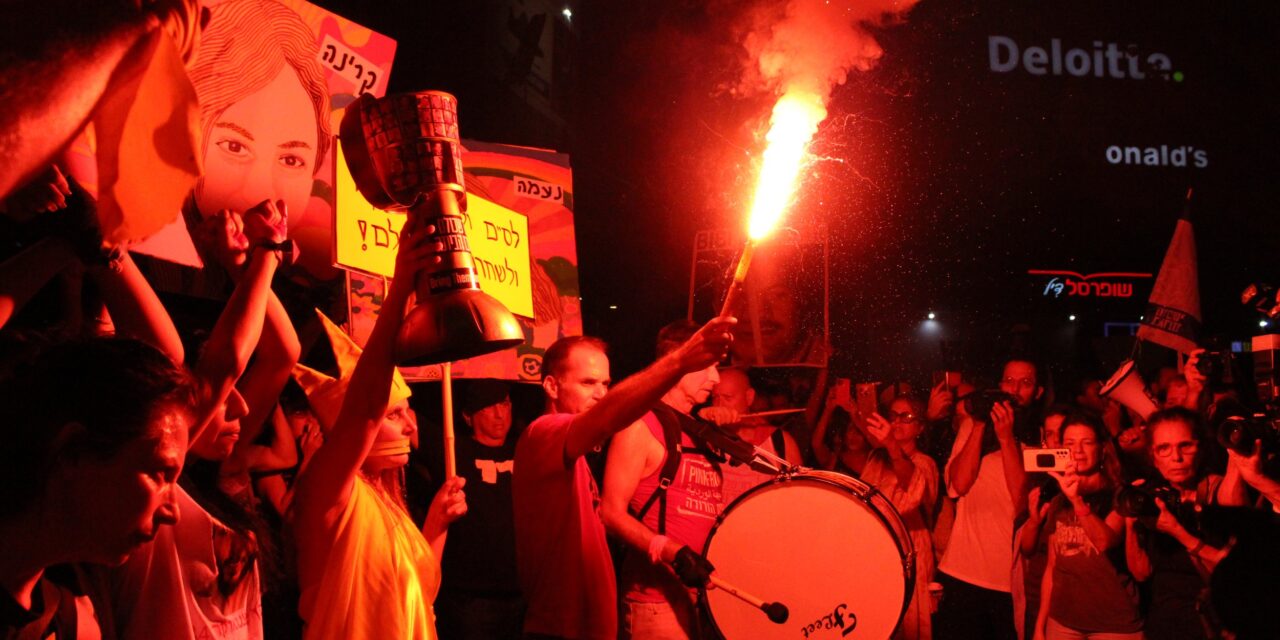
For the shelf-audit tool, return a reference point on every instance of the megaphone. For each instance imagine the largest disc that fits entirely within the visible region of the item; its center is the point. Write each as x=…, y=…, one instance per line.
x=1127, y=388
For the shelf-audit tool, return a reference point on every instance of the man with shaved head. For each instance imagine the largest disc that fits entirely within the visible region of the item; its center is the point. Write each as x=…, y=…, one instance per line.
x=734, y=396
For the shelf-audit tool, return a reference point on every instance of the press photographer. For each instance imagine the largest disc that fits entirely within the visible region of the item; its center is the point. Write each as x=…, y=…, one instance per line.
x=1163, y=541
x=1251, y=441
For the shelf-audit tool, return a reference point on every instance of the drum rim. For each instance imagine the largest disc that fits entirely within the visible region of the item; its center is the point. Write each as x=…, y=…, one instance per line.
x=907, y=557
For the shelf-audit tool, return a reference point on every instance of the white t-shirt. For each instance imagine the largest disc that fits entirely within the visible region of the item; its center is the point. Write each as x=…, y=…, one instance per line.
x=168, y=588
x=980, y=550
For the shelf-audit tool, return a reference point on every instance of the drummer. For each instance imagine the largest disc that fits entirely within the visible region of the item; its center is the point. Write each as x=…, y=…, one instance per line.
x=662, y=495
x=735, y=396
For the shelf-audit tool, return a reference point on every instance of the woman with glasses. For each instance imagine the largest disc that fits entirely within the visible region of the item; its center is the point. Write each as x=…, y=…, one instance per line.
x=1170, y=551
x=909, y=478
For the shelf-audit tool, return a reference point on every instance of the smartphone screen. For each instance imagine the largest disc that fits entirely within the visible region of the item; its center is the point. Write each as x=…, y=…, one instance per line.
x=866, y=392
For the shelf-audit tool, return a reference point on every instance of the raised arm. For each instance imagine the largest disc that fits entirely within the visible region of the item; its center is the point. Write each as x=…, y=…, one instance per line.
x=627, y=402
x=260, y=386
x=283, y=451
x=57, y=60
x=966, y=455
x=325, y=485
x=135, y=309
x=1250, y=469
x=235, y=336
x=882, y=436
x=837, y=396
x=1015, y=475
x=1031, y=529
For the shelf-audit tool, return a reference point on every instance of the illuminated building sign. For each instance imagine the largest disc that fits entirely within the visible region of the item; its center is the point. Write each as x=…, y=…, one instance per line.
x=1101, y=60
x=1116, y=284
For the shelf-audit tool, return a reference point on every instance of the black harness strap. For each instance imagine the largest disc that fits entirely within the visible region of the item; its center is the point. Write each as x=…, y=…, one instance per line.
x=671, y=440
x=779, y=443
x=671, y=436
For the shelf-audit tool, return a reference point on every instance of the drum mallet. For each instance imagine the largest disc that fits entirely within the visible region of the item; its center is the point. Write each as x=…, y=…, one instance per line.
x=776, y=611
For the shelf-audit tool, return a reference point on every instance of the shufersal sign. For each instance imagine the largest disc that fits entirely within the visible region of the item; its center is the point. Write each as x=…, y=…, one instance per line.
x=1099, y=60
x=1059, y=283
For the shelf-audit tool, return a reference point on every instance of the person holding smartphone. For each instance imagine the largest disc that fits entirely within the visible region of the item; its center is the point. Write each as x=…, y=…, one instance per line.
x=848, y=450
x=909, y=479
x=1087, y=591
x=1031, y=553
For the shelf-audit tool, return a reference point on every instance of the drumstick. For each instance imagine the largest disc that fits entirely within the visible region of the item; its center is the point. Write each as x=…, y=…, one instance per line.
x=776, y=611
x=775, y=412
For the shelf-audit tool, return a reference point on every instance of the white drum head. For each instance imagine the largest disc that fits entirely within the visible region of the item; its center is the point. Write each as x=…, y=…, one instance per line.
x=816, y=548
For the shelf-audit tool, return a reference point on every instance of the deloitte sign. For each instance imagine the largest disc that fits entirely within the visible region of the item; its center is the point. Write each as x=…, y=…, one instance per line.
x=1102, y=60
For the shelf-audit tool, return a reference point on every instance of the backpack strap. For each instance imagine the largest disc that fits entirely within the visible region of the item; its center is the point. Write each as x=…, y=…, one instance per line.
x=671, y=440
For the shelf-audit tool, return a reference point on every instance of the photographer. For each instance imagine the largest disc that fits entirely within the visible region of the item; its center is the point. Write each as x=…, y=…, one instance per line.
x=1086, y=593
x=1251, y=471
x=986, y=478
x=1165, y=547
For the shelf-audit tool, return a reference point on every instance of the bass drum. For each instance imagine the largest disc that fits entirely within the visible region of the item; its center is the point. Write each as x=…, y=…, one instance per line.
x=828, y=547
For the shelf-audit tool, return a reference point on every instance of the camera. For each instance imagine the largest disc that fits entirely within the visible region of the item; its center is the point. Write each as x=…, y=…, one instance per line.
x=1241, y=433
x=979, y=403
x=1215, y=366
x=1139, y=501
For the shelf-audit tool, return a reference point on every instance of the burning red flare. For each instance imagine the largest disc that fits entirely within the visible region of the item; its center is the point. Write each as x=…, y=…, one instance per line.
x=795, y=119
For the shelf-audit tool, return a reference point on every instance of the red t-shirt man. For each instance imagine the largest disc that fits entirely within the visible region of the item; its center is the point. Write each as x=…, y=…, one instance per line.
x=564, y=567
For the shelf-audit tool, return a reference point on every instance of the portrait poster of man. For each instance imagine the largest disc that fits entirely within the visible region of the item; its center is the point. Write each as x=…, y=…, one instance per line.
x=782, y=316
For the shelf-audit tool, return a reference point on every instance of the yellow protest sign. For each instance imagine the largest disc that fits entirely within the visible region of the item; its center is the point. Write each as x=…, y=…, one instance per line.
x=499, y=240
x=366, y=239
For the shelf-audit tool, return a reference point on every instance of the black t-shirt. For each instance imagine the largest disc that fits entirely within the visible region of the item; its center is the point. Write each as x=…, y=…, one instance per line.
x=1177, y=588
x=480, y=556
x=59, y=608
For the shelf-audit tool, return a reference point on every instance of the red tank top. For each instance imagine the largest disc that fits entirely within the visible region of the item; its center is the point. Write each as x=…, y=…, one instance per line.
x=693, y=503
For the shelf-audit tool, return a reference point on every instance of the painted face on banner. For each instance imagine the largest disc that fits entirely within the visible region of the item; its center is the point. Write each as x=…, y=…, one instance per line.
x=262, y=147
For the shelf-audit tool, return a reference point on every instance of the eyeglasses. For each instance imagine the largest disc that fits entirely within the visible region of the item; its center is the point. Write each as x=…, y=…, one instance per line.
x=895, y=416
x=1166, y=450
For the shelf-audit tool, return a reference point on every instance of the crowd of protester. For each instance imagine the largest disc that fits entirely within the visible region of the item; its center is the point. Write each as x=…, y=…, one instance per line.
x=202, y=483
x=161, y=485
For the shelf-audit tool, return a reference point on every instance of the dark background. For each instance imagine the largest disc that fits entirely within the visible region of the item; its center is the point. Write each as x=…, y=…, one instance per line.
x=942, y=181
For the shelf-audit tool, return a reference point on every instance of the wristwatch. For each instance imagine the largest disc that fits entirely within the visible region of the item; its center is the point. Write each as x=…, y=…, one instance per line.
x=288, y=249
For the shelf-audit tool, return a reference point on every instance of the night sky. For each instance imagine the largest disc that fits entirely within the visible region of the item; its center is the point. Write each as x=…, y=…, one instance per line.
x=942, y=180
